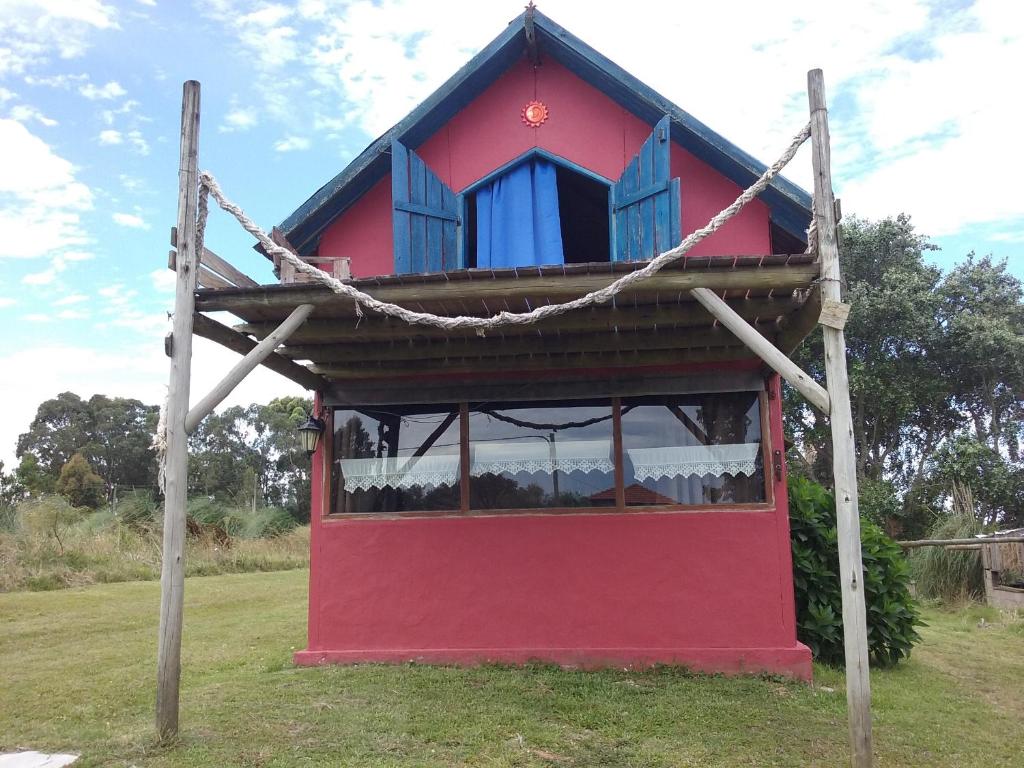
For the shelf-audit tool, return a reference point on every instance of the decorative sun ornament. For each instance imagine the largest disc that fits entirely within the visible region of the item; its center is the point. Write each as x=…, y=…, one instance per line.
x=535, y=113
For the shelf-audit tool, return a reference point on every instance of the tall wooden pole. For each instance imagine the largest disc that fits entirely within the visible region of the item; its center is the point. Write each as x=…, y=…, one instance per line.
x=172, y=573
x=844, y=461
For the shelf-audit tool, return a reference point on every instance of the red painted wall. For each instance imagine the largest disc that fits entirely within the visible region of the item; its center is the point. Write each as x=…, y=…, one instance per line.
x=709, y=589
x=585, y=126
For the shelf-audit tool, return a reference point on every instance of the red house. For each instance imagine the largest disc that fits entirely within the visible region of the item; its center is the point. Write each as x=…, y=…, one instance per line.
x=602, y=488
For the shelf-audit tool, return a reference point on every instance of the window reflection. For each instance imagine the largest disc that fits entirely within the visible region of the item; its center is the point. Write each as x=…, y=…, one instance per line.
x=529, y=455
x=402, y=459
x=694, y=449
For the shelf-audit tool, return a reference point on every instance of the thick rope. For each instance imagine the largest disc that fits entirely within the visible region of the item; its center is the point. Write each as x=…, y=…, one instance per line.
x=482, y=324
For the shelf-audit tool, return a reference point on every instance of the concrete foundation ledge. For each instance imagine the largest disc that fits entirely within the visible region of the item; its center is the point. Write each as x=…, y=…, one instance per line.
x=793, y=661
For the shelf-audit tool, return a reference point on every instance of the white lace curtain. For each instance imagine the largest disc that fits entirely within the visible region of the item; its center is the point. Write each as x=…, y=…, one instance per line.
x=700, y=460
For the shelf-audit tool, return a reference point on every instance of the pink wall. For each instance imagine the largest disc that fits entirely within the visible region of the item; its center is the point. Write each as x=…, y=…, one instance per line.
x=585, y=127
x=708, y=589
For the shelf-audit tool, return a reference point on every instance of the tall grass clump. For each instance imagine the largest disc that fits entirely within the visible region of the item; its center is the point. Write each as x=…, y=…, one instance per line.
x=952, y=575
x=49, y=544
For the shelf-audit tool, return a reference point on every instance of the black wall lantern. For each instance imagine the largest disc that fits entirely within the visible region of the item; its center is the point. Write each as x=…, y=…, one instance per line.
x=310, y=433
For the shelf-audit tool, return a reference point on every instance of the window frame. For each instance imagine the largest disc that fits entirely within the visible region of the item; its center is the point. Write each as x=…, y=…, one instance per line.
x=463, y=197
x=620, y=506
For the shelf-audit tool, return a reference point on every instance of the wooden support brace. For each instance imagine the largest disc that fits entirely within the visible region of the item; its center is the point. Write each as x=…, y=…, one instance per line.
x=245, y=366
x=763, y=348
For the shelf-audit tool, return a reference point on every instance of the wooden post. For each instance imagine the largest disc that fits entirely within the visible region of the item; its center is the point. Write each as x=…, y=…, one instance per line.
x=172, y=573
x=844, y=461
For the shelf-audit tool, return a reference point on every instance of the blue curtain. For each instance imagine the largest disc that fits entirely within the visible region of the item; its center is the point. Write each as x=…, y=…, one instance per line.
x=517, y=223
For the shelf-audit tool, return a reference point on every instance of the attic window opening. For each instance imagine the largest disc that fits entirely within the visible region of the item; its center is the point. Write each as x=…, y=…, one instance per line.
x=510, y=221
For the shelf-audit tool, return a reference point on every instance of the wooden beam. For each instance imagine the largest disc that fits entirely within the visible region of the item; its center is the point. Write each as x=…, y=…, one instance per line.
x=609, y=341
x=960, y=542
x=596, y=320
x=545, y=287
x=565, y=361
x=569, y=384
x=801, y=323
x=214, y=331
x=245, y=366
x=763, y=348
x=222, y=268
x=844, y=460
x=209, y=279
x=172, y=570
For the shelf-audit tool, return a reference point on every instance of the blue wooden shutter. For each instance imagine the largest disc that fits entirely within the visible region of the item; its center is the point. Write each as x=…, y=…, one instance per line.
x=645, y=202
x=425, y=216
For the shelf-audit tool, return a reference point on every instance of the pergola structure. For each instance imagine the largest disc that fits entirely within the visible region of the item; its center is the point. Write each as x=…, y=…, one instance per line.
x=704, y=310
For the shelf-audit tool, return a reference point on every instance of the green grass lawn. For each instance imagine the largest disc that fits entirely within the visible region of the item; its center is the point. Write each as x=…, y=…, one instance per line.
x=77, y=671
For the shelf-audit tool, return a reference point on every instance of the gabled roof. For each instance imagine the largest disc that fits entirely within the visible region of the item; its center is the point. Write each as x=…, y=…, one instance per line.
x=789, y=204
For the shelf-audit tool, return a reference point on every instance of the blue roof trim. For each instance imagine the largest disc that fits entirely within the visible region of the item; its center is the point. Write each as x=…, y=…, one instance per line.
x=789, y=204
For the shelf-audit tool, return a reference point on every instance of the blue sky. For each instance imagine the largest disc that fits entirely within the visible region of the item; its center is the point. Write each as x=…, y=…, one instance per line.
x=924, y=119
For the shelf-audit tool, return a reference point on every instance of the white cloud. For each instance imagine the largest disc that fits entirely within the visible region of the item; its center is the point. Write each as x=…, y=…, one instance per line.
x=111, y=137
x=33, y=31
x=138, y=144
x=24, y=113
x=40, y=198
x=164, y=280
x=74, y=298
x=62, y=82
x=72, y=314
x=238, y=120
x=108, y=116
x=130, y=220
x=45, y=277
x=7, y=301
x=77, y=256
x=111, y=90
x=291, y=144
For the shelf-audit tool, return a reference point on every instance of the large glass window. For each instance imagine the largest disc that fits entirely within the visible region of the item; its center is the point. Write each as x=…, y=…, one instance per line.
x=678, y=450
x=402, y=459
x=693, y=449
x=530, y=455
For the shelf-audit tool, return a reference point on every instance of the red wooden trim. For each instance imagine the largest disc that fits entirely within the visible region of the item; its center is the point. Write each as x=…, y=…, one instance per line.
x=464, y=458
x=327, y=457
x=559, y=511
x=620, y=481
x=766, y=448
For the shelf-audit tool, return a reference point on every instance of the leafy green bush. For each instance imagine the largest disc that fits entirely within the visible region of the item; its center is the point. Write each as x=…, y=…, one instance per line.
x=890, y=608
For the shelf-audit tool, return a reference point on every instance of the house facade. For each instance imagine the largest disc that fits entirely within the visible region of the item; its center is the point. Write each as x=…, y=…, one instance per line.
x=602, y=488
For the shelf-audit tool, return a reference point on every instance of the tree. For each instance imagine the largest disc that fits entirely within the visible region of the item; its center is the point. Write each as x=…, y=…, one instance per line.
x=80, y=485
x=286, y=467
x=11, y=493
x=113, y=434
x=31, y=476
x=982, y=314
x=931, y=356
x=996, y=484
